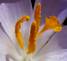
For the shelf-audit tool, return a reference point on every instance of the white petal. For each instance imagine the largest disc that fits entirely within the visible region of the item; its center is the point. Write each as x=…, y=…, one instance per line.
x=6, y=45
x=57, y=42
x=2, y=58
x=10, y=12
x=59, y=55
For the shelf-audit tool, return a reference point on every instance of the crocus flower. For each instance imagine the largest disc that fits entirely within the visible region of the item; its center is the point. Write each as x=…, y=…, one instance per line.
x=25, y=39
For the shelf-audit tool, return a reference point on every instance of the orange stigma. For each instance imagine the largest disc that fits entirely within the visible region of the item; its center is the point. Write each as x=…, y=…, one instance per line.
x=18, y=33
x=37, y=14
x=32, y=39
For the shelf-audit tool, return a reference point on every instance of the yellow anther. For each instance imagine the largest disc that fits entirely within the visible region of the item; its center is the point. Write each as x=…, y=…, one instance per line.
x=32, y=39
x=37, y=14
x=24, y=18
x=27, y=18
x=18, y=32
x=52, y=23
x=58, y=28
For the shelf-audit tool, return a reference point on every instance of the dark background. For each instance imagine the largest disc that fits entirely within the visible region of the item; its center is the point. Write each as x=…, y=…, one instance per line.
x=32, y=2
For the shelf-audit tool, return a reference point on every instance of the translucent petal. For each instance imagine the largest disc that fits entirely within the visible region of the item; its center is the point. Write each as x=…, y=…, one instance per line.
x=41, y=39
x=57, y=42
x=26, y=33
x=10, y=12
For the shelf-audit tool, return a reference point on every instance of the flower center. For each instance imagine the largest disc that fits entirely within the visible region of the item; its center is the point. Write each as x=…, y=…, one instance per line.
x=51, y=23
x=26, y=57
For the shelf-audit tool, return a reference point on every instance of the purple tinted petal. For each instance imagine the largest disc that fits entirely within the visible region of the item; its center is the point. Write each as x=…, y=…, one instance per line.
x=52, y=7
x=62, y=16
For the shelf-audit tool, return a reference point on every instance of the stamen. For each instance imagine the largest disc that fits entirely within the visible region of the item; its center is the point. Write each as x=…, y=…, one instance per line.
x=52, y=23
x=32, y=39
x=18, y=32
x=37, y=14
